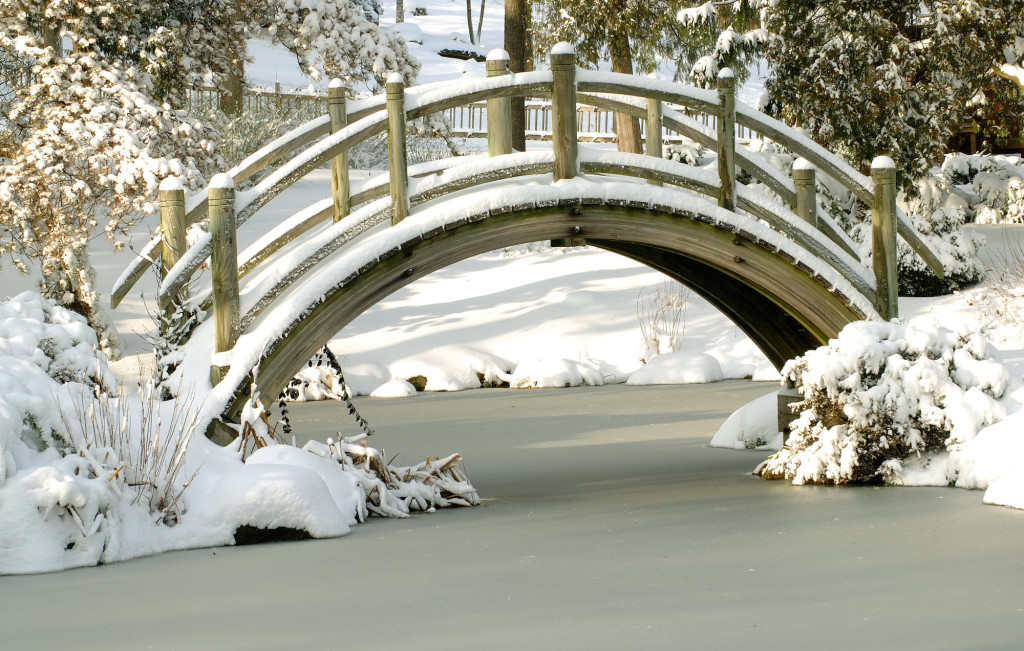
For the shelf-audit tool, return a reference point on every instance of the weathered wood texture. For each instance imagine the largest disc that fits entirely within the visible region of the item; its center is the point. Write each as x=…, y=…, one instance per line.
x=563, y=107
x=224, y=270
x=499, y=110
x=883, y=240
x=340, y=187
x=652, y=132
x=172, y=227
x=727, y=140
x=806, y=192
x=397, y=167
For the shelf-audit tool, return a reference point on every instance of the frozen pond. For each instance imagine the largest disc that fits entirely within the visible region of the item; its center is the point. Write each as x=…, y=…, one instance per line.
x=606, y=523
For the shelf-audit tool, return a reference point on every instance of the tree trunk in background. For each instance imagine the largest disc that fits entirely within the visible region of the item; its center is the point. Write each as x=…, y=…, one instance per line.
x=469, y=20
x=627, y=128
x=233, y=90
x=517, y=47
x=480, y=22
x=400, y=11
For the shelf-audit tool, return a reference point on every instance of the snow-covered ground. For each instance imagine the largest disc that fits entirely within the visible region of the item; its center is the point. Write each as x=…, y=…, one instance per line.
x=530, y=316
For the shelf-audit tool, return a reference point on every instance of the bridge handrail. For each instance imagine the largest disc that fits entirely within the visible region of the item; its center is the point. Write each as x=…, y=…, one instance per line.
x=261, y=292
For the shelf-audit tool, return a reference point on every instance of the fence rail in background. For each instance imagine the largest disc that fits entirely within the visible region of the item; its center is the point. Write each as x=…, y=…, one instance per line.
x=258, y=99
x=595, y=124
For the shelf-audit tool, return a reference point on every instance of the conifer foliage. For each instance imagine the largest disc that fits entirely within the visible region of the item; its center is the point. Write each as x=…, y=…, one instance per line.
x=873, y=77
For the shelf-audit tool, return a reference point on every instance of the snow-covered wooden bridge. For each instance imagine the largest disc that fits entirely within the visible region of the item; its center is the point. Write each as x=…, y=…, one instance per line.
x=773, y=261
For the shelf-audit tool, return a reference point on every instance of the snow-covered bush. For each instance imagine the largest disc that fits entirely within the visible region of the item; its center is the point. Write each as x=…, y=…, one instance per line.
x=881, y=393
x=687, y=152
x=661, y=313
x=994, y=184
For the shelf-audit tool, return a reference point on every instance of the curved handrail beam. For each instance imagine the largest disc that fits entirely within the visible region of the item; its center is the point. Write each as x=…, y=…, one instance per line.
x=288, y=270
x=838, y=169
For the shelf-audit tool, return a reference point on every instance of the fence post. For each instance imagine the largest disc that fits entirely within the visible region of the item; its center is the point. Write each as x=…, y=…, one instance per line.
x=806, y=191
x=224, y=269
x=499, y=110
x=727, y=138
x=883, y=237
x=653, y=127
x=398, y=171
x=563, y=109
x=337, y=109
x=172, y=222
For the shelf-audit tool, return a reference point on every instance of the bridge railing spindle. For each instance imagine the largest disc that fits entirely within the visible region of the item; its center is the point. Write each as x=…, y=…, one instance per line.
x=340, y=188
x=806, y=191
x=224, y=269
x=653, y=144
x=883, y=237
x=563, y=109
x=726, y=123
x=499, y=110
x=398, y=171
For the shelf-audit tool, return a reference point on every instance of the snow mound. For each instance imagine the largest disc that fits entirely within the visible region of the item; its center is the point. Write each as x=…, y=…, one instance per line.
x=394, y=389
x=678, y=368
x=753, y=426
x=552, y=372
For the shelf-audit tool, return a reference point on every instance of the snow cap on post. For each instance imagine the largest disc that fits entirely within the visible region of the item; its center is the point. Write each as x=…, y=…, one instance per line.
x=883, y=163
x=497, y=54
x=562, y=47
x=395, y=78
x=171, y=183
x=726, y=73
x=336, y=83
x=802, y=165
x=222, y=180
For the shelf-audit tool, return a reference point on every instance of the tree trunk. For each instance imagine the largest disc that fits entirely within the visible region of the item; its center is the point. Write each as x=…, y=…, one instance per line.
x=469, y=20
x=233, y=89
x=480, y=21
x=627, y=128
x=517, y=48
x=400, y=11
x=69, y=282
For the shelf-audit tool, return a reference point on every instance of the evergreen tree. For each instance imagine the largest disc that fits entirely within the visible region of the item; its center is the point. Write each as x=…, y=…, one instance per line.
x=872, y=77
x=629, y=33
x=719, y=34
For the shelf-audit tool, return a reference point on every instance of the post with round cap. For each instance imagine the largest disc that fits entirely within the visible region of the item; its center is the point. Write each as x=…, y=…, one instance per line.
x=499, y=109
x=224, y=269
x=172, y=222
x=563, y=110
x=652, y=137
x=883, y=237
x=727, y=138
x=337, y=110
x=398, y=172
x=806, y=191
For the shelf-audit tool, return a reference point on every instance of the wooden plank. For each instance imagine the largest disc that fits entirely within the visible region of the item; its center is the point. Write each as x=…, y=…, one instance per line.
x=563, y=108
x=340, y=187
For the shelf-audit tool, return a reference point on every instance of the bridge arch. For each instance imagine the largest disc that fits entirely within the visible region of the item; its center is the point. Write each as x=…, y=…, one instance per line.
x=758, y=279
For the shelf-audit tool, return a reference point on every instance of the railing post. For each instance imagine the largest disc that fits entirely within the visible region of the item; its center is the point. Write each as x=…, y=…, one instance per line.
x=398, y=171
x=224, y=269
x=499, y=110
x=806, y=191
x=336, y=108
x=563, y=109
x=652, y=138
x=172, y=222
x=883, y=237
x=727, y=138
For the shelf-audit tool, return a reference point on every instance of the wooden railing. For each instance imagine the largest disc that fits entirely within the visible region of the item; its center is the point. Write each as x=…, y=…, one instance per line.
x=350, y=123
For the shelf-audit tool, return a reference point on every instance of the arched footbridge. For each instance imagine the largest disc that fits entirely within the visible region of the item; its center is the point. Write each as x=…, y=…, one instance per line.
x=765, y=253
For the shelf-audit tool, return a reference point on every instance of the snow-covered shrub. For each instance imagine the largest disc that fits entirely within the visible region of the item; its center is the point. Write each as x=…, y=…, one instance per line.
x=661, y=313
x=687, y=152
x=881, y=393
x=995, y=183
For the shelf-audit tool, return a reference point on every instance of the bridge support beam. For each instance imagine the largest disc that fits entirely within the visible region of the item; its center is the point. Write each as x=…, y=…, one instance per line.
x=499, y=110
x=340, y=188
x=563, y=109
x=727, y=138
x=224, y=270
x=398, y=171
x=883, y=237
x=806, y=191
x=652, y=136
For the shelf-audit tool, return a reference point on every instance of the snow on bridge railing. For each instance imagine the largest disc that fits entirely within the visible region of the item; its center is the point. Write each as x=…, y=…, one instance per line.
x=568, y=86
